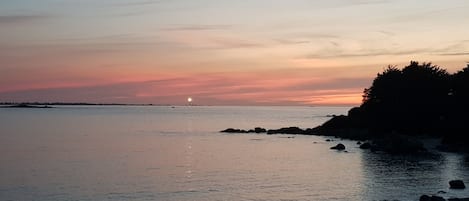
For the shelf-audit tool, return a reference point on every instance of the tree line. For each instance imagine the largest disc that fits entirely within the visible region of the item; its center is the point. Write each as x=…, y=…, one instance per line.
x=419, y=99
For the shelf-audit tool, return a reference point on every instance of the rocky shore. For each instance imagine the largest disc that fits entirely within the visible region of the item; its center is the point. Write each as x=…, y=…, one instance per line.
x=397, y=144
x=401, y=107
x=453, y=184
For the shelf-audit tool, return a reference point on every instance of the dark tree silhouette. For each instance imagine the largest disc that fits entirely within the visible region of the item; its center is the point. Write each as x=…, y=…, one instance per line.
x=458, y=121
x=460, y=87
x=409, y=101
x=383, y=86
x=419, y=99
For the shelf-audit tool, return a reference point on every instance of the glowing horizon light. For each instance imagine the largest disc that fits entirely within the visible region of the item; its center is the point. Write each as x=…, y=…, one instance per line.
x=189, y=100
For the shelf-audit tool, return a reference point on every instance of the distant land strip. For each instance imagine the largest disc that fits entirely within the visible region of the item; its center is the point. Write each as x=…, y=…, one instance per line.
x=81, y=103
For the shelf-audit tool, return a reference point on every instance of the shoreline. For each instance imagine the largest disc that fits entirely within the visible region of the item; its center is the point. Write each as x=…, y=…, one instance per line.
x=394, y=143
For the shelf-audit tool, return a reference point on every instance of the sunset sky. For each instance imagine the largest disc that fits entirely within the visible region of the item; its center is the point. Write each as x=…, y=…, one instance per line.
x=219, y=52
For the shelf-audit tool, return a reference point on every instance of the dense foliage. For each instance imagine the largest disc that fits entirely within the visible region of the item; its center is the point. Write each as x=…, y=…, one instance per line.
x=418, y=99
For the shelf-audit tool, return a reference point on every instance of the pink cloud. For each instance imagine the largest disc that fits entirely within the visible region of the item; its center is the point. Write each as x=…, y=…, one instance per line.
x=207, y=89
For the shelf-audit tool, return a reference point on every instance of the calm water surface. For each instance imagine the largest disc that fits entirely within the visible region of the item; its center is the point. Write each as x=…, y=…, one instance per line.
x=164, y=153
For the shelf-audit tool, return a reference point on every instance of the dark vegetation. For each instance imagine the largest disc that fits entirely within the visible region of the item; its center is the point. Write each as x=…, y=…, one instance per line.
x=401, y=106
x=418, y=100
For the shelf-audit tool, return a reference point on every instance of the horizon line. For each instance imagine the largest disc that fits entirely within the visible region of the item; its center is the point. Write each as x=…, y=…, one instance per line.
x=158, y=104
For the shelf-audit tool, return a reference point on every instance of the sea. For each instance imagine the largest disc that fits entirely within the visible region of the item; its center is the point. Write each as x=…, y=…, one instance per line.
x=94, y=153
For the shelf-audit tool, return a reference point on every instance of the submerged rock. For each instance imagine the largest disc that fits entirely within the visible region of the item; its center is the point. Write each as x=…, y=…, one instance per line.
x=457, y=184
x=339, y=146
x=365, y=145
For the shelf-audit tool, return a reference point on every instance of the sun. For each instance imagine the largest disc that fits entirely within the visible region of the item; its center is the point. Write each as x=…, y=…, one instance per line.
x=189, y=100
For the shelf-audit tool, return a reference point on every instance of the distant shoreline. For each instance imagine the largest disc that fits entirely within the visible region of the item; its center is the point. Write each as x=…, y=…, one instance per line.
x=151, y=104
x=20, y=104
x=25, y=106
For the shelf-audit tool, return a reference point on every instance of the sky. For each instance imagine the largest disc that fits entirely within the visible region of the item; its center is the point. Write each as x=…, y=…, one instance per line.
x=220, y=52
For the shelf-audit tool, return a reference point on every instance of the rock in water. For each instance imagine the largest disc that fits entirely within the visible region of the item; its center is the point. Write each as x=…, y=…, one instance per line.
x=456, y=184
x=232, y=130
x=339, y=146
x=289, y=130
x=437, y=198
x=235, y=130
x=365, y=145
x=432, y=198
x=259, y=130
x=425, y=198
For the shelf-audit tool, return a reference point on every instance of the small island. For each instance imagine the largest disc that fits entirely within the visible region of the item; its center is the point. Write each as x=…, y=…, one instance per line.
x=399, y=108
x=403, y=105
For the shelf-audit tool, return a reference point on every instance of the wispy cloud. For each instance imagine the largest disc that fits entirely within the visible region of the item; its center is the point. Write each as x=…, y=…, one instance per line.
x=15, y=19
x=454, y=54
x=387, y=33
x=120, y=37
x=138, y=3
x=339, y=50
x=351, y=3
x=194, y=36
x=428, y=14
x=231, y=43
x=198, y=27
x=316, y=35
x=367, y=2
x=214, y=89
x=458, y=48
x=368, y=53
x=291, y=42
x=331, y=84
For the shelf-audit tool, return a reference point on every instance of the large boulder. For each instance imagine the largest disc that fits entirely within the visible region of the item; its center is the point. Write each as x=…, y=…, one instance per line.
x=339, y=146
x=457, y=184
